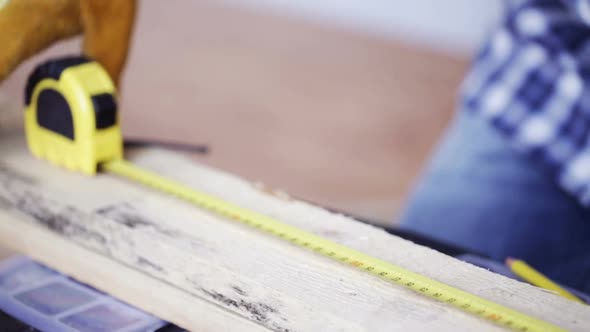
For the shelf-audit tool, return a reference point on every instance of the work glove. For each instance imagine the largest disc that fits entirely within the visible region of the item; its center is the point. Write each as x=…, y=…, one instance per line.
x=29, y=26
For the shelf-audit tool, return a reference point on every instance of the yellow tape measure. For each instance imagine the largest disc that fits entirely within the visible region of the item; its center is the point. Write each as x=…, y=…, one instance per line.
x=71, y=120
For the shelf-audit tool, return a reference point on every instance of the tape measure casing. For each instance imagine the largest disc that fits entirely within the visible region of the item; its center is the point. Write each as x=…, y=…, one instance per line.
x=71, y=114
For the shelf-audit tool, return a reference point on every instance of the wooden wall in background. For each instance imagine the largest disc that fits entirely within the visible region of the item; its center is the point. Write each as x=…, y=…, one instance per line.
x=329, y=116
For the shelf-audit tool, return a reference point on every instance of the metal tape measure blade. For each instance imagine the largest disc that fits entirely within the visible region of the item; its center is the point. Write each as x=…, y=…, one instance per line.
x=436, y=290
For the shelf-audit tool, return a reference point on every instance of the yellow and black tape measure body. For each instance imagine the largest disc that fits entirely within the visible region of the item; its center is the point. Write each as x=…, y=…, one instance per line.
x=71, y=120
x=71, y=114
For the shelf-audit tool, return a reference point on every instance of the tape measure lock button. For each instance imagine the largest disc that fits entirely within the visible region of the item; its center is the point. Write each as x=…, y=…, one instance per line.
x=71, y=114
x=105, y=110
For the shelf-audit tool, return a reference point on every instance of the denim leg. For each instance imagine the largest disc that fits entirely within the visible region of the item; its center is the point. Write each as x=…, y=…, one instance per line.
x=480, y=194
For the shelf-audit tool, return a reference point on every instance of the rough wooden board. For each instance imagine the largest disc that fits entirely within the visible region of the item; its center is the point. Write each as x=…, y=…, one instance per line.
x=166, y=300
x=141, y=233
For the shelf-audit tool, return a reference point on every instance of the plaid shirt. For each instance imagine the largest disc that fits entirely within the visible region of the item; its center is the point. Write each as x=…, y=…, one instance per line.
x=532, y=82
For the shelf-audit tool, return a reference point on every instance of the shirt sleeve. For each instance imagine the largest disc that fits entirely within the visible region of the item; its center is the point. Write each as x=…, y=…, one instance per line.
x=580, y=8
x=530, y=82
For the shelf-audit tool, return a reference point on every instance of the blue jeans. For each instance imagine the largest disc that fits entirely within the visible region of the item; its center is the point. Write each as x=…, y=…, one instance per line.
x=480, y=194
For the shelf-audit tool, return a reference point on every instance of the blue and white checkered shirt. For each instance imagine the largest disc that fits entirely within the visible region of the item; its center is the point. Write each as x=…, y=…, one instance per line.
x=532, y=82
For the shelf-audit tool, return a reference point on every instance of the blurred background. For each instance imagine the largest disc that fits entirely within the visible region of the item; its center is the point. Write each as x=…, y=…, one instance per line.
x=337, y=102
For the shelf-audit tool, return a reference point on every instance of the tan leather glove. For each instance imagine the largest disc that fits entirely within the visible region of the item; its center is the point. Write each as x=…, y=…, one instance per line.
x=29, y=26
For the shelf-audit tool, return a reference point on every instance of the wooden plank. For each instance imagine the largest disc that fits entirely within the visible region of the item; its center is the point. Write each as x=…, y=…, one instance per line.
x=196, y=269
x=135, y=287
